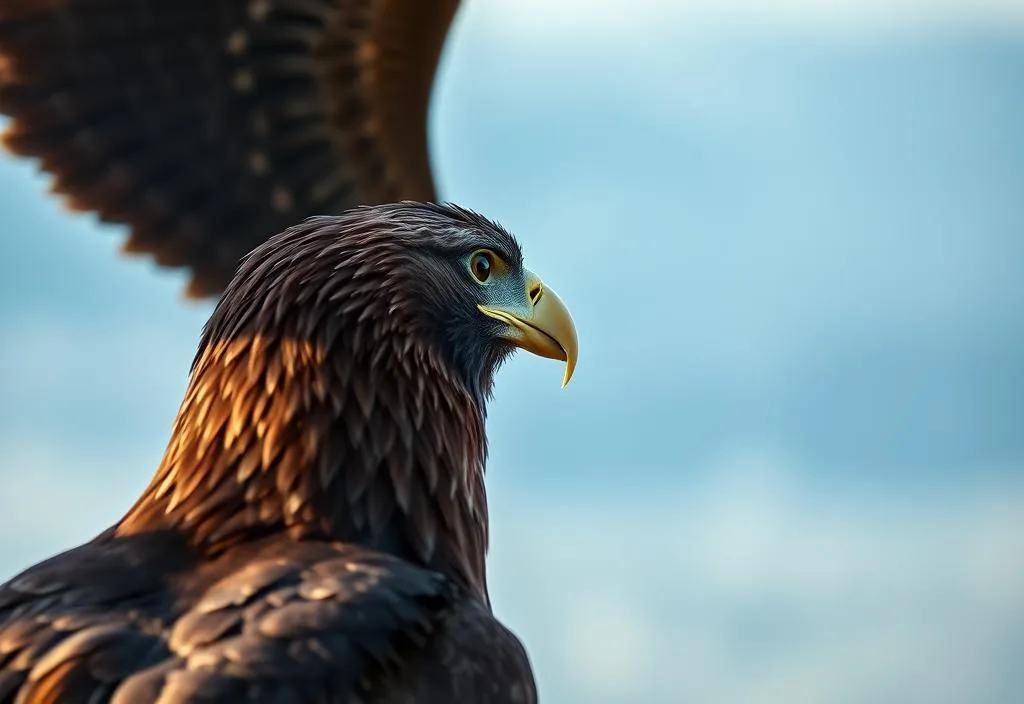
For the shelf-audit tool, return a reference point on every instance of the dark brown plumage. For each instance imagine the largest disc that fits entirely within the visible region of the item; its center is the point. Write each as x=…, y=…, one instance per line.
x=208, y=125
x=317, y=528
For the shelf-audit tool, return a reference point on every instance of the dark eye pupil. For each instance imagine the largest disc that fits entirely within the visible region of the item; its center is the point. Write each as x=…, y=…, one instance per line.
x=482, y=266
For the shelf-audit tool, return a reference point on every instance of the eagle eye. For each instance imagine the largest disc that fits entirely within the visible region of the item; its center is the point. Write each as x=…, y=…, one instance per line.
x=481, y=264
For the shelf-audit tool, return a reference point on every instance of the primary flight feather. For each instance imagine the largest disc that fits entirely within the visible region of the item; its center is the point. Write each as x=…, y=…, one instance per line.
x=317, y=528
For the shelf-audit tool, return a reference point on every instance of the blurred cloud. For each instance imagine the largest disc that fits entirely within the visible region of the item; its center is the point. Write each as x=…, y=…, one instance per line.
x=574, y=22
x=758, y=586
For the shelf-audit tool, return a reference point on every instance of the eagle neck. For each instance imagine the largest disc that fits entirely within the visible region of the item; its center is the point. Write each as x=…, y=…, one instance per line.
x=364, y=438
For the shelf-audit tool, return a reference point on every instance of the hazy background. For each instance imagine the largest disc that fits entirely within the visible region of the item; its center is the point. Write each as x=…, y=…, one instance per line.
x=789, y=468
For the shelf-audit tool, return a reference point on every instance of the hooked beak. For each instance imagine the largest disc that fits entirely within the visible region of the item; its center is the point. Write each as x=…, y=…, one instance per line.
x=544, y=327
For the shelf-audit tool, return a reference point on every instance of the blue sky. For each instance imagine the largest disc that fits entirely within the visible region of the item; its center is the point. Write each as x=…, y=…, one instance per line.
x=789, y=465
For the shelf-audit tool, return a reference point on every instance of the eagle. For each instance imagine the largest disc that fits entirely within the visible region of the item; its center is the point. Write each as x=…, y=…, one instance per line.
x=206, y=126
x=317, y=527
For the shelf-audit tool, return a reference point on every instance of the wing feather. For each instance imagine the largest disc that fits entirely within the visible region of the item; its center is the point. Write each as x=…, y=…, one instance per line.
x=208, y=125
x=105, y=623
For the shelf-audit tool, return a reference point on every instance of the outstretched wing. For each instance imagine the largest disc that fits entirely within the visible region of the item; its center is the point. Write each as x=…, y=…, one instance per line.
x=209, y=125
x=295, y=622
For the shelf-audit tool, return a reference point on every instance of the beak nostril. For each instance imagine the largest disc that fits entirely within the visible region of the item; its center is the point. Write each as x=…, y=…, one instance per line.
x=535, y=293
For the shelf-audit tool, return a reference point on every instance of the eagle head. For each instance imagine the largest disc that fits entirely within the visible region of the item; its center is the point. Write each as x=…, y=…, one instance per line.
x=402, y=276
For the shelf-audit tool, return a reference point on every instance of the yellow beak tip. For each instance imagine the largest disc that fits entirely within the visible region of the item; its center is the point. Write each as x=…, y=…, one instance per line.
x=570, y=367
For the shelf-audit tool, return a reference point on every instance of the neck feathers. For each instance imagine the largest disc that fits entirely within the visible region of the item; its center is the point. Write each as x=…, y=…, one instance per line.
x=355, y=433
